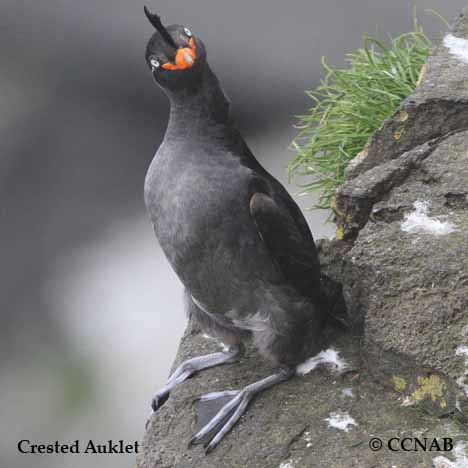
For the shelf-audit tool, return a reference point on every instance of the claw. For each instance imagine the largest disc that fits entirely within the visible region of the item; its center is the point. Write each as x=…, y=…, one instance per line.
x=193, y=441
x=209, y=449
x=158, y=401
x=154, y=405
x=198, y=439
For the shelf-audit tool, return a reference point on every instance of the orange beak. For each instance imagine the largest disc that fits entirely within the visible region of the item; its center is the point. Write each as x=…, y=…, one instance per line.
x=184, y=58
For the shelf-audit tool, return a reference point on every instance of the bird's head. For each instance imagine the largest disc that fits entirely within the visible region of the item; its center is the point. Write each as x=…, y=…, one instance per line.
x=175, y=56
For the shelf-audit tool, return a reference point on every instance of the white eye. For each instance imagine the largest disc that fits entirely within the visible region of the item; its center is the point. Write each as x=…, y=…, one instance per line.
x=154, y=63
x=188, y=32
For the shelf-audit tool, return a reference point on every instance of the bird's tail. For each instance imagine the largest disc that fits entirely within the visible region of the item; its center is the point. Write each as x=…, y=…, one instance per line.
x=333, y=304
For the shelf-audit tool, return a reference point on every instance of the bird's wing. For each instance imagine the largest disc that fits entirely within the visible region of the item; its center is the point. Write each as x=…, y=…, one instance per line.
x=283, y=229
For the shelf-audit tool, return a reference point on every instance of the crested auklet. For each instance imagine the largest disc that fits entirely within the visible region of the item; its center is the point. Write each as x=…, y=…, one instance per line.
x=234, y=236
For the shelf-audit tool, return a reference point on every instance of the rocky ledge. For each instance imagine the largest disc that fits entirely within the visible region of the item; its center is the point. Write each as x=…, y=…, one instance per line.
x=399, y=270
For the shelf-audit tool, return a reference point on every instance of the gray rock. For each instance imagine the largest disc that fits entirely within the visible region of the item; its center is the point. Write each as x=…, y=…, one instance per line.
x=411, y=288
x=355, y=198
x=403, y=288
x=286, y=426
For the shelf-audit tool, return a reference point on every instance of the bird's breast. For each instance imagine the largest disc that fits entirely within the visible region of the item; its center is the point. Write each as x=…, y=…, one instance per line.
x=201, y=217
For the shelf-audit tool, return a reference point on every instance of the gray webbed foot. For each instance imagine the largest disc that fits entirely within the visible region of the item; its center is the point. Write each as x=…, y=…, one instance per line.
x=226, y=418
x=188, y=368
x=207, y=407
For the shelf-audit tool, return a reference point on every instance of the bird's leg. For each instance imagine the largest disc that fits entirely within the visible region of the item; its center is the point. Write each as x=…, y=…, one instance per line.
x=231, y=412
x=189, y=367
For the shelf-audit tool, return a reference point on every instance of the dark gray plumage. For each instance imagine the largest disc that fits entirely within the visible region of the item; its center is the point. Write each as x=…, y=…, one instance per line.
x=232, y=233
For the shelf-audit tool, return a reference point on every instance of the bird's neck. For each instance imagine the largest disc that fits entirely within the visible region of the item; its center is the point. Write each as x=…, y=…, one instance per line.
x=204, y=107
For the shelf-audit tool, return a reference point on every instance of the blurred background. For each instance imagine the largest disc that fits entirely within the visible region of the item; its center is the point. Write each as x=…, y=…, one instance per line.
x=91, y=312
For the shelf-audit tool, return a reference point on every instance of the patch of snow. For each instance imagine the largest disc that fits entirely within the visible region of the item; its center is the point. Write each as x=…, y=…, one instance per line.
x=418, y=221
x=308, y=439
x=407, y=401
x=460, y=454
x=457, y=46
x=330, y=356
x=442, y=462
x=286, y=465
x=341, y=420
x=347, y=392
x=462, y=381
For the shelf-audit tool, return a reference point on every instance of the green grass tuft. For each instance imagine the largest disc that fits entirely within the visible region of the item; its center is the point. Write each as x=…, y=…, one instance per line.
x=350, y=104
